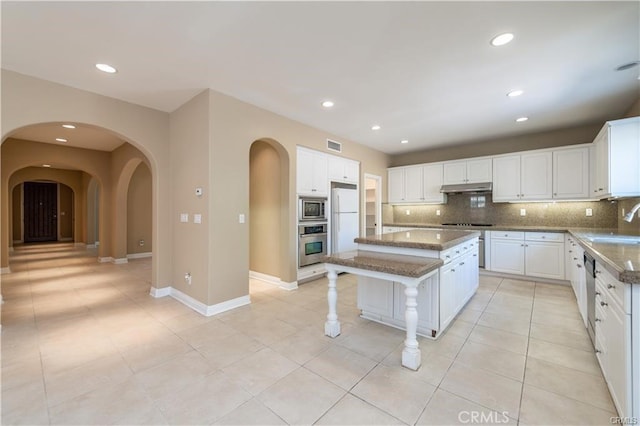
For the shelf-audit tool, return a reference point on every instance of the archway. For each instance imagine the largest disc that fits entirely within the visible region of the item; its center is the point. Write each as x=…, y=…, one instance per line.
x=139, y=213
x=269, y=258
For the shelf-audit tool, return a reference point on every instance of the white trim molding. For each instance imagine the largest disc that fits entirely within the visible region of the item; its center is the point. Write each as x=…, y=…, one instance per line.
x=139, y=255
x=196, y=305
x=4, y=271
x=80, y=245
x=120, y=261
x=271, y=280
x=91, y=246
x=107, y=259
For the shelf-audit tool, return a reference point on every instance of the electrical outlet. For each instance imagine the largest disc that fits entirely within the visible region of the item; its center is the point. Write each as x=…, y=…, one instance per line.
x=141, y=243
x=187, y=278
x=184, y=217
x=241, y=218
x=589, y=212
x=438, y=212
x=408, y=212
x=523, y=212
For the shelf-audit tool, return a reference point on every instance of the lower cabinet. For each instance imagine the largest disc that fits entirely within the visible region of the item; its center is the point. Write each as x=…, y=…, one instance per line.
x=617, y=346
x=535, y=254
x=440, y=297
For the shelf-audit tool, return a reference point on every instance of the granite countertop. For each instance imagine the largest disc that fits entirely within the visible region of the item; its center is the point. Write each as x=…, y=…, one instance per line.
x=425, y=239
x=407, y=266
x=621, y=260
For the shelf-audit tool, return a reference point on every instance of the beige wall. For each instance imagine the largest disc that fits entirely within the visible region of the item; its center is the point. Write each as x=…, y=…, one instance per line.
x=265, y=209
x=572, y=136
x=139, y=211
x=27, y=101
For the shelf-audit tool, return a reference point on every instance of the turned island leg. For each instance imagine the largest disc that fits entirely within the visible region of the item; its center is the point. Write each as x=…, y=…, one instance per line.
x=332, y=326
x=411, y=357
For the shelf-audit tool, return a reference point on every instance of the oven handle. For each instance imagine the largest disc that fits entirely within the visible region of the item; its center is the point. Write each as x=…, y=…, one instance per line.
x=313, y=235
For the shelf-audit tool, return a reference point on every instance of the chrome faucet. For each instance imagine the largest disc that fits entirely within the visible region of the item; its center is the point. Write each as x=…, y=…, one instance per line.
x=629, y=216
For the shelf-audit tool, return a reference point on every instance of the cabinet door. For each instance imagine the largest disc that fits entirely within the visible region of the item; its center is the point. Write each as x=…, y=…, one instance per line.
x=536, y=176
x=336, y=168
x=624, y=157
x=428, y=305
x=396, y=185
x=375, y=296
x=544, y=259
x=448, y=280
x=571, y=173
x=320, y=178
x=506, y=178
x=304, y=173
x=455, y=172
x=618, y=338
x=601, y=162
x=413, y=191
x=479, y=170
x=507, y=256
x=352, y=171
x=432, y=175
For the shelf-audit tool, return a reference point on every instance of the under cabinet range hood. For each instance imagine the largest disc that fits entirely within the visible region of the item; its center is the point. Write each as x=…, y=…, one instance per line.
x=467, y=187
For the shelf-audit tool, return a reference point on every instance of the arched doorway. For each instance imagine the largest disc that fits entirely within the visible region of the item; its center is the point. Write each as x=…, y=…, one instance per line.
x=269, y=257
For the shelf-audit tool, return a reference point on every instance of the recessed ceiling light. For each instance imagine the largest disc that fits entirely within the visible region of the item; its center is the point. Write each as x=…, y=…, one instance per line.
x=61, y=139
x=502, y=39
x=46, y=165
x=514, y=93
x=404, y=141
x=375, y=127
x=521, y=119
x=68, y=126
x=327, y=104
x=106, y=68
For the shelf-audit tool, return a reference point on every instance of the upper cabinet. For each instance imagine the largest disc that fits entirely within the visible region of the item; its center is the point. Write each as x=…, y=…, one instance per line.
x=614, y=167
x=416, y=184
x=467, y=171
x=343, y=170
x=571, y=173
x=312, y=173
x=522, y=177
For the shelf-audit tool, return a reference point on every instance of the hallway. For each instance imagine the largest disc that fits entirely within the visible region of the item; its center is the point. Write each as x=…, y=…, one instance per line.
x=84, y=343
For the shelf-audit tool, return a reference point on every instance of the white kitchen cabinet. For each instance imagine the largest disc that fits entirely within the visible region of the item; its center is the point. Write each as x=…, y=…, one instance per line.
x=571, y=173
x=311, y=173
x=375, y=296
x=343, y=170
x=416, y=184
x=535, y=254
x=507, y=253
x=467, y=171
x=575, y=274
x=615, y=171
x=523, y=177
x=428, y=306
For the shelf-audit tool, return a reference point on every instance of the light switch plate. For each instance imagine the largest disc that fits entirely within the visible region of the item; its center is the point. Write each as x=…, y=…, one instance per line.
x=241, y=218
x=589, y=212
x=437, y=212
x=523, y=212
x=197, y=218
x=184, y=217
x=408, y=212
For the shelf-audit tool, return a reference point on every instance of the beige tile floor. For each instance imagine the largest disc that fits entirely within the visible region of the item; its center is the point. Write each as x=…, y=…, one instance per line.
x=84, y=343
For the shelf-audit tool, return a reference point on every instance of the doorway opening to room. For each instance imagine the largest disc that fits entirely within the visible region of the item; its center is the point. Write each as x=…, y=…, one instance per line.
x=372, y=205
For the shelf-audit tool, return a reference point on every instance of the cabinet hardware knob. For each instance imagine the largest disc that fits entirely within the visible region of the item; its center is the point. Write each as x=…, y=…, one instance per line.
x=447, y=256
x=474, y=255
x=598, y=293
x=598, y=271
x=598, y=320
x=611, y=286
x=579, y=265
x=506, y=235
x=598, y=351
x=555, y=193
x=453, y=270
x=544, y=236
x=575, y=258
x=570, y=251
x=461, y=263
x=600, y=189
x=604, y=304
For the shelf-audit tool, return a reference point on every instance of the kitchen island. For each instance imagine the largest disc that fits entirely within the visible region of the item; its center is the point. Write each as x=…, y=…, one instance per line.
x=417, y=280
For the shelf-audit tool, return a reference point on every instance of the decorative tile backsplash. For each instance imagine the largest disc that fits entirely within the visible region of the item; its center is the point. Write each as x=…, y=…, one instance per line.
x=479, y=208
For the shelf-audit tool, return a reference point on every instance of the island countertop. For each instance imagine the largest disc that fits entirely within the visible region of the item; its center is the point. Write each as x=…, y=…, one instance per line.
x=408, y=266
x=425, y=239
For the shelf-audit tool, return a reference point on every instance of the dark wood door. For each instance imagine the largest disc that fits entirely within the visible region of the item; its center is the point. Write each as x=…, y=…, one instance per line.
x=40, y=212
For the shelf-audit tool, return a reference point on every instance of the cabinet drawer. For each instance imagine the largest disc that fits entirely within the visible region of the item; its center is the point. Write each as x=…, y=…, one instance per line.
x=614, y=288
x=507, y=235
x=544, y=236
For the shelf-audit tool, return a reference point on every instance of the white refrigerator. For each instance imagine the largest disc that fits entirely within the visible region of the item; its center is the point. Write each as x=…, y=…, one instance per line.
x=344, y=225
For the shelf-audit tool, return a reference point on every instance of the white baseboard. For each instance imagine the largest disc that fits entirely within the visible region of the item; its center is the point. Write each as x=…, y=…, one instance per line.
x=107, y=259
x=524, y=277
x=275, y=281
x=139, y=255
x=80, y=245
x=6, y=270
x=160, y=292
x=91, y=246
x=120, y=261
x=97, y=243
x=196, y=305
x=10, y=249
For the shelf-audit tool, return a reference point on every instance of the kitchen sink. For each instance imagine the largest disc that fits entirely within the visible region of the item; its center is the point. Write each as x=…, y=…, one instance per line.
x=614, y=239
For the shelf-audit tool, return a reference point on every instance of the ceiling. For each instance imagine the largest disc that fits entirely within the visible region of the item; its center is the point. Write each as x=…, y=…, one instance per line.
x=82, y=136
x=423, y=71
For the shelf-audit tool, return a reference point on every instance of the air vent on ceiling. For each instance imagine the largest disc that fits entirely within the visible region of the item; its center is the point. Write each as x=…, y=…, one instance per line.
x=334, y=146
